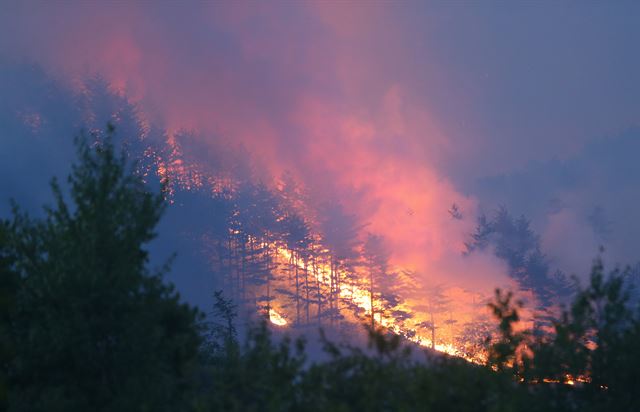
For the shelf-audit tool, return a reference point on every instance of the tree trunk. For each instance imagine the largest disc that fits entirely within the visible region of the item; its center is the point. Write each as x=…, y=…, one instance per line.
x=371, y=297
x=295, y=261
x=433, y=333
x=306, y=288
x=319, y=294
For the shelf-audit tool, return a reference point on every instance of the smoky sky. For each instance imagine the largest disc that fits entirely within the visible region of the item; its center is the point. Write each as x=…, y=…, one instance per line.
x=393, y=110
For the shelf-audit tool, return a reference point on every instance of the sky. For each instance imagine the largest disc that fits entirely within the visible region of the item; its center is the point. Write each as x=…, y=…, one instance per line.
x=395, y=110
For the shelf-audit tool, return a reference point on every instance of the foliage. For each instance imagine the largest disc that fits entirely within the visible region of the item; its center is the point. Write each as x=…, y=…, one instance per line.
x=593, y=344
x=503, y=353
x=259, y=375
x=93, y=327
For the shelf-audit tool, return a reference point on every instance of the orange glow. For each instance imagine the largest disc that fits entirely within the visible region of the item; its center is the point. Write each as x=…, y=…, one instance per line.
x=359, y=296
x=276, y=318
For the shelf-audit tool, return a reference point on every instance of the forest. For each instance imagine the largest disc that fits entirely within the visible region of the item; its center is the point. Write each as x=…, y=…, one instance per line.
x=89, y=324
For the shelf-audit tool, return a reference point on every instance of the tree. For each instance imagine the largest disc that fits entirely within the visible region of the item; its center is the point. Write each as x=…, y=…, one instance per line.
x=340, y=237
x=594, y=342
x=437, y=303
x=9, y=282
x=255, y=229
x=94, y=327
x=503, y=352
x=221, y=335
x=258, y=375
x=383, y=284
x=297, y=237
x=513, y=241
x=375, y=257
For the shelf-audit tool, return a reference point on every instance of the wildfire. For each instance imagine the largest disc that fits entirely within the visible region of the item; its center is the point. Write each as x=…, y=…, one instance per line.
x=352, y=289
x=361, y=297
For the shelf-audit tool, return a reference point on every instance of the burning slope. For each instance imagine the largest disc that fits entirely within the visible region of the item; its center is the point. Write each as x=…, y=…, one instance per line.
x=354, y=293
x=276, y=253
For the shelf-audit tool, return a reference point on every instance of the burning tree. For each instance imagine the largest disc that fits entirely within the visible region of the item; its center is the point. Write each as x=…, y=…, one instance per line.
x=383, y=283
x=437, y=303
x=340, y=237
x=297, y=238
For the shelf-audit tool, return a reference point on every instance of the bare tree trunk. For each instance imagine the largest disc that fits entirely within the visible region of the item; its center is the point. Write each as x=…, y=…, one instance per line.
x=371, y=296
x=319, y=294
x=331, y=286
x=268, y=274
x=295, y=261
x=336, y=273
x=433, y=333
x=290, y=271
x=306, y=287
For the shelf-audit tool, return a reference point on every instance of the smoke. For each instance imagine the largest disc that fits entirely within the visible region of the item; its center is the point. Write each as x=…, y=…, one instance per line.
x=579, y=204
x=302, y=88
x=571, y=241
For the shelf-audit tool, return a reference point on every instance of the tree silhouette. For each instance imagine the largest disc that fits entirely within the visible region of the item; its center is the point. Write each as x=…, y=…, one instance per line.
x=9, y=285
x=513, y=241
x=95, y=329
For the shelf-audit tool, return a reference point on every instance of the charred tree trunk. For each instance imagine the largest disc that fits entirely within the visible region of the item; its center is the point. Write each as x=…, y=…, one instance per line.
x=319, y=292
x=295, y=261
x=331, y=290
x=268, y=275
x=371, y=298
x=306, y=288
x=433, y=333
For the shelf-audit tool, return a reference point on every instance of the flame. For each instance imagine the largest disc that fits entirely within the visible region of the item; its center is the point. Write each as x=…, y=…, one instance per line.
x=569, y=380
x=276, y=318
x=361, y=297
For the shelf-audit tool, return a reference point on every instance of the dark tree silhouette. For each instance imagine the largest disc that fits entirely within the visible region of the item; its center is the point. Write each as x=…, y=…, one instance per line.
x=513, y=241
x=9, y=285
x=94, y=328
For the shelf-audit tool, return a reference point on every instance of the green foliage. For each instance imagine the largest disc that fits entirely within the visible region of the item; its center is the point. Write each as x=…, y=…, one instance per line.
x=94, y=328
x=259, y=375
